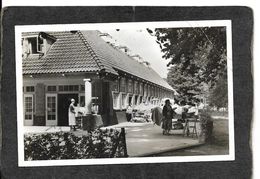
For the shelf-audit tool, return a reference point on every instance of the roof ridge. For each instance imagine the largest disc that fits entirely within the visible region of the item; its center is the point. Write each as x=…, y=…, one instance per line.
x=92, y=52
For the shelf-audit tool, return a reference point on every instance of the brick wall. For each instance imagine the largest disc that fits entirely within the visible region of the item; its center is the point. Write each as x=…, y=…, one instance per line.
x=40, y=105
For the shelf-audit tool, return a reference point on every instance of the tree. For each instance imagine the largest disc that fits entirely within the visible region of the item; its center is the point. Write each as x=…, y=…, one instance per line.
x=186, y=86
x=197, y=57
x=218, y=96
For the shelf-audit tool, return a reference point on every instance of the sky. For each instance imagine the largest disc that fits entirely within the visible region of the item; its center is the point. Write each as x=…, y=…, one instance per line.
x=140, y=42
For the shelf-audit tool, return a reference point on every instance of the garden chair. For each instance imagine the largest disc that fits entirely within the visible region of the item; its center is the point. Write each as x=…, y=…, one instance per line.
x=190, y=127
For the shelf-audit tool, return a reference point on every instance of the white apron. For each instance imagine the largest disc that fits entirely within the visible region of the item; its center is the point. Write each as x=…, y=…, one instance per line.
x=72, y=119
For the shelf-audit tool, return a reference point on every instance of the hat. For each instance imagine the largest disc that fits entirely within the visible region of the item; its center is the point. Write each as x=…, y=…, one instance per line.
x=167, y=101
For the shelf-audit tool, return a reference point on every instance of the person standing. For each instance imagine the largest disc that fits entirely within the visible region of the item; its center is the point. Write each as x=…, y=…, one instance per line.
x=72, y=118
x=167, y=117
x=129, y=111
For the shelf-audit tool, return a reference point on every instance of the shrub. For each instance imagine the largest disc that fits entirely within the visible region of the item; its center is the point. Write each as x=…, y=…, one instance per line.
x=66, y=145
x=206, y=126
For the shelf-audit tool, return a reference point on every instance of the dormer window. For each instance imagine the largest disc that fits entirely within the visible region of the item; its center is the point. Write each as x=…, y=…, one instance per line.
x=35, y=45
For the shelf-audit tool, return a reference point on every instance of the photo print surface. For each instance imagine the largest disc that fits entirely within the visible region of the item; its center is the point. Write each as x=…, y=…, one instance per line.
x=124, y=93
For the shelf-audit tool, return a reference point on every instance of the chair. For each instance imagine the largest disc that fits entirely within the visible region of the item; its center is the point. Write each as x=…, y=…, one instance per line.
x=190, y=123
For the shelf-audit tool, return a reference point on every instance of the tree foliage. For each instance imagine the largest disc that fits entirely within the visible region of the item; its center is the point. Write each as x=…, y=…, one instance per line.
x=197, y=57
x=219, y=95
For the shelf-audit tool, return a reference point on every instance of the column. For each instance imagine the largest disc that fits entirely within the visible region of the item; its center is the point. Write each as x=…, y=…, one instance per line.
x=88, y=95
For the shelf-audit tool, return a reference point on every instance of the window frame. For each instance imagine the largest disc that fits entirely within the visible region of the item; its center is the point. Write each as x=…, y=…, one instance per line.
x=28, y=122
x=38, y=50
x=51, y=122
x=122, y=87
x=123, y=100
x=116, y=100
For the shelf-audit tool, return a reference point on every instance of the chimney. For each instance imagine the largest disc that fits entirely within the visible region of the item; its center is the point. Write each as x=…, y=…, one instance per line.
x=105, y=35
x=137, y=58
x=124, y=49
x=147, y=64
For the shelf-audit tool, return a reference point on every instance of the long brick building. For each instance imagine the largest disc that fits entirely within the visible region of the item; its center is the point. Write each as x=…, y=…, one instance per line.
x=58, y=66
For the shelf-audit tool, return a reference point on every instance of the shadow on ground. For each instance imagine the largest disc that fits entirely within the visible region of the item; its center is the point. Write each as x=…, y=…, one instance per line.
x=218, y=146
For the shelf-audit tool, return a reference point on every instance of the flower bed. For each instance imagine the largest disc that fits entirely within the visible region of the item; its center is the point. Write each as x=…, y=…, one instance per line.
x=66, y=145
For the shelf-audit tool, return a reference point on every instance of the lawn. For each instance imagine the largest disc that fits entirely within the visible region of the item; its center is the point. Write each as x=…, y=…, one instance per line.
x=218, y=146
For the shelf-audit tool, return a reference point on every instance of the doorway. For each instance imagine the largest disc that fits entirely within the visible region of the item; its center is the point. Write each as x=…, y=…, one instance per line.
x=64, y=101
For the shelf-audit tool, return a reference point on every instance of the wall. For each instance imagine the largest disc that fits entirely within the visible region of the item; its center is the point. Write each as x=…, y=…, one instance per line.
x=40, y=84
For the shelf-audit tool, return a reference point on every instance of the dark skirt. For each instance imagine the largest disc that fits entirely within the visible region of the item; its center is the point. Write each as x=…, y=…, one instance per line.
x=128, y=117
x=167, y=124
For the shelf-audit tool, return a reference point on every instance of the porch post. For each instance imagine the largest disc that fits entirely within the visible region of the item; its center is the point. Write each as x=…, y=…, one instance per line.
x=88, y=96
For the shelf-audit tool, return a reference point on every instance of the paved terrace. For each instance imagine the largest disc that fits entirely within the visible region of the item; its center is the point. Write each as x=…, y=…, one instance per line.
x=142, y=139
x=145, y=139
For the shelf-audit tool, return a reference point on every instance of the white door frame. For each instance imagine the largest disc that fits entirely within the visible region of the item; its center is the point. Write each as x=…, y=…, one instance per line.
x=51, y=122
x=28, y=122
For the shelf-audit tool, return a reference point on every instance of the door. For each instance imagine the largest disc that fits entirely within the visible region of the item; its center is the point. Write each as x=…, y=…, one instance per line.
x=64, y=101
x=51, y=110
x=105, y=104
x=28, y=109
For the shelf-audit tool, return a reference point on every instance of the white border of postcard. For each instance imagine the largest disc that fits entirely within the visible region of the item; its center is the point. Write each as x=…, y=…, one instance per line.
x=132, y=25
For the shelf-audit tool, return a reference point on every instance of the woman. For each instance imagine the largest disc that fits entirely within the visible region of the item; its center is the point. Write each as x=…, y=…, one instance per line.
x=72, y=119
x=167, y=117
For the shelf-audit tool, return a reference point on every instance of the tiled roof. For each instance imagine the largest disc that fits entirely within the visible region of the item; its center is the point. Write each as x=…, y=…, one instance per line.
x=67, y=54
x=121, y=61
x=85, y=51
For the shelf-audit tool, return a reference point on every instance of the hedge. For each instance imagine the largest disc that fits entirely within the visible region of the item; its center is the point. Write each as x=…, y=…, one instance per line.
x=206, y=126
x=66, y=145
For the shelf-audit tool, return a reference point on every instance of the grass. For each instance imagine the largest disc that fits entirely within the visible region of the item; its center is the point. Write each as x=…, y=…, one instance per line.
x=219, y=113
x=218, y=146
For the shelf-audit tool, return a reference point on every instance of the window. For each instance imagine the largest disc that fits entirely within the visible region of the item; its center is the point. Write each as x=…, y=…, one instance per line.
x=28, y=107
x=35, y=45
x=115, y=86
x=136, y=87
x=130, y=99
x=141, y=88
x=82, y=87
x=82, y=100
x=149, y=90
x=123, y=102
x=136, y=100
x=116, y=100
x=141, y=100
x=122, y=85
x=156, y=92
x=67, y=88
x=40, y=44
x=152, y=91
x=51, y=107
x=51, y=88
x=29, y=88
x=130, y=86
x=145, y=90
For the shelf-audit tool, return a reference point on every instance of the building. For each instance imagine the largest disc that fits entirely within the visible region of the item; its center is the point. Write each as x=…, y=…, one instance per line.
x=58, y=66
